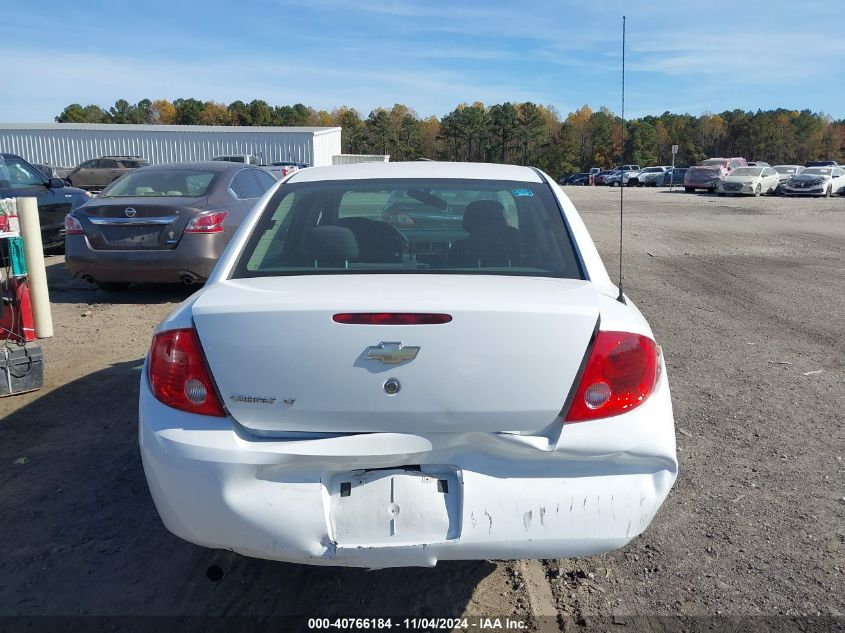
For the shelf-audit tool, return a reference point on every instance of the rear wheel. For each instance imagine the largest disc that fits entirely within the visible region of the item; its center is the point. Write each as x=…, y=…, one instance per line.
x=112, y=286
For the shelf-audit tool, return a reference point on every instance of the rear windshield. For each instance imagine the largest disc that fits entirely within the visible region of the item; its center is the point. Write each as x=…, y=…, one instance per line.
x=411, y=226
x=161, y=182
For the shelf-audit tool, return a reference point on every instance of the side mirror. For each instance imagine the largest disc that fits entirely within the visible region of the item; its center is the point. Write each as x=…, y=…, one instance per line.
x=56, y=183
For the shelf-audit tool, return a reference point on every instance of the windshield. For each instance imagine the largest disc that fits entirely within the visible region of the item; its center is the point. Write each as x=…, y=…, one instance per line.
x=786, y=169
x=747, y=171
x=652, y=170
x=818, y=171
x=411, y=226
x=712, y=162
x=161, y=182
x=17, y=174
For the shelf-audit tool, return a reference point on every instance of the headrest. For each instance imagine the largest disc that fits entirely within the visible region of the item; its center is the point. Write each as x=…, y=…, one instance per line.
x=331, y=244
x=484, y=214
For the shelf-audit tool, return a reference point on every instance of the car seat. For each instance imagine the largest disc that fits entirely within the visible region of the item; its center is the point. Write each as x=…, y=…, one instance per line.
x=378, y=242
x=491, y=241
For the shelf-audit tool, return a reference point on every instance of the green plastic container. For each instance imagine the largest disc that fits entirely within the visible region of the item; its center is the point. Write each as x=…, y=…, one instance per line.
x=16, y=255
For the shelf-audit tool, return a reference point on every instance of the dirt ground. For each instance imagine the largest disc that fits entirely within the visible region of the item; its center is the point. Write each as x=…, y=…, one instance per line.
x=746, y=298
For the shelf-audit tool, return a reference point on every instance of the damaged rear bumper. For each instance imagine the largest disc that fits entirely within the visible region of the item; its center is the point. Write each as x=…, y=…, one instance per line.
x=401, y=499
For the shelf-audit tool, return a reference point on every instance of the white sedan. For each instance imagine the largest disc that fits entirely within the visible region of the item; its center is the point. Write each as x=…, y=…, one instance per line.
x=752, y=181
x=816, y=181
x=400, y=363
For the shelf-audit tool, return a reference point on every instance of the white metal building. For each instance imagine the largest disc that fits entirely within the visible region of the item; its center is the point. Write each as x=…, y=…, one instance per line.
x=351, y=159
x=69, y=144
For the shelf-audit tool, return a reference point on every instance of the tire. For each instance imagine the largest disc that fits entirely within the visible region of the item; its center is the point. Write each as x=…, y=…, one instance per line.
x=689, y=189
x=720, y=194
x=758, y=190
x=828, y=192
x=112, y=286
x=614, y=184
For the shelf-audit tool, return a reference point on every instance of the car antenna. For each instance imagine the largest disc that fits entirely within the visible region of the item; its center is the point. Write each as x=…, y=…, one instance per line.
x=621, y=297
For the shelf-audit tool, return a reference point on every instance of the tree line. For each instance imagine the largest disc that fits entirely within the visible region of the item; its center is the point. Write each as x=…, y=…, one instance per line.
x=521, y=133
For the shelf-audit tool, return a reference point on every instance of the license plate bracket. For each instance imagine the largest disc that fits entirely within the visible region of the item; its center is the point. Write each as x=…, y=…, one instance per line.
x=399, y=506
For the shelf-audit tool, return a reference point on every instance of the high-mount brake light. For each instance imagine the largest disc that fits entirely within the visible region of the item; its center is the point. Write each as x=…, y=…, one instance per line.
x=391, y=318
x=179, y=376
x=207, y=222
x=620, y=374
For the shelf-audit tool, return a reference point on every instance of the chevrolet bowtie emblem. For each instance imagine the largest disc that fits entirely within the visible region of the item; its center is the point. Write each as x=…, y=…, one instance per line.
x=391, y=353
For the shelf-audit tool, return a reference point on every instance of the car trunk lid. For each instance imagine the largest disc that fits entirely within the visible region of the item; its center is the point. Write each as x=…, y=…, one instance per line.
x=137, y=223
x=505, y=362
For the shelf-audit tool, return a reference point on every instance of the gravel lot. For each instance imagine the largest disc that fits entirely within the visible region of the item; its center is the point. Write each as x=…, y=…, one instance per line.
x=746, y=297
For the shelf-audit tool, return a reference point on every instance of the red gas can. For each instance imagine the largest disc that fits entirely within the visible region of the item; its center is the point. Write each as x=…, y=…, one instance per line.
x=16, y=321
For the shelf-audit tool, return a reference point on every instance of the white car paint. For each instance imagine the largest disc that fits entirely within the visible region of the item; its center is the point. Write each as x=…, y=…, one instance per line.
x=752, y=181
x=480, y=410
x=652, y=176
x=816, y=181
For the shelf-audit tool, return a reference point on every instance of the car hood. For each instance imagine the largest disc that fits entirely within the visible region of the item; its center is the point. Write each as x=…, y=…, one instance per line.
x=810, y=177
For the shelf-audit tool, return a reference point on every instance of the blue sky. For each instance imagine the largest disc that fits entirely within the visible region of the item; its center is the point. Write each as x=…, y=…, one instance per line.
x=683, y=56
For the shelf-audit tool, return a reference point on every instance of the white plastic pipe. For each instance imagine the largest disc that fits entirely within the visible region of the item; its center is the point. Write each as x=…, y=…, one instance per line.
x=33, y=252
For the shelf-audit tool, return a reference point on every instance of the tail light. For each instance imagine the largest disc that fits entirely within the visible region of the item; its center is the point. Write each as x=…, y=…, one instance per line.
x=391, y=318
x=72, y=226
x=179, y=376
x=620, y=374
x=207, y=222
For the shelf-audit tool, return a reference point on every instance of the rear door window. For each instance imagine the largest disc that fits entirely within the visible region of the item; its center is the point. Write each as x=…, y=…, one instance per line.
x=265, y=179
x=246, y=186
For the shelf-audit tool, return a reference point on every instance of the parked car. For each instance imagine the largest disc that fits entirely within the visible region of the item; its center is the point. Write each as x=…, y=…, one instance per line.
x=576, y=179
x=282, y=418
x=278, y=169
x=283, y=168
x=816, y=181
x=249, y=159
x=708, y=173
x=649, y=177
x=93, y=175
x=674, y=176
x=785, y=172
x=627, y=172
x=19, y=178
x=752, y=181
x=601, y=177
x=621, y=175
x=821, y=163
x=53, y=171
x=162, y=223
x=758, y=163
